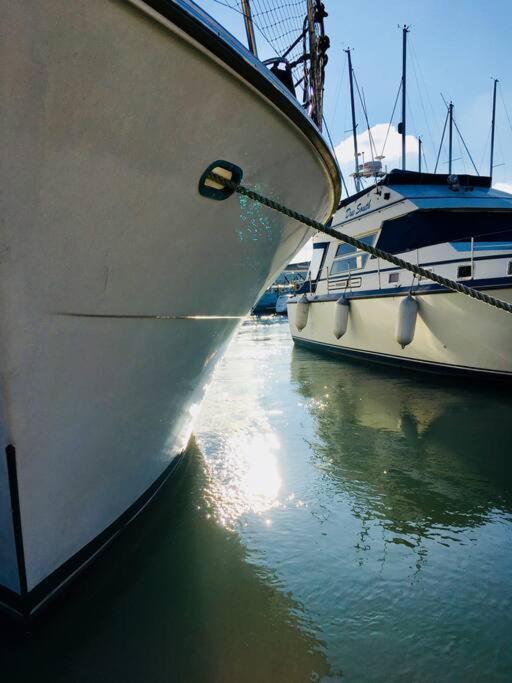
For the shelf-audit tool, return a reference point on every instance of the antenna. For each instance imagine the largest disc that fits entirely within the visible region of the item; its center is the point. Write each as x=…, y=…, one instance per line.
x=450, y=136
x=357, y=180
x=493, y=124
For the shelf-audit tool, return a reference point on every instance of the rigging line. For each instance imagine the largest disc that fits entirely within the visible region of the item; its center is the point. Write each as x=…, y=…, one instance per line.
x=461, y=137
x=285, y=24
x=235, y=9
x=370, y=134
x=363, y=107
x=334, y=152
x=465, y=146
x=461, y=153
x=505, y=106
x=391, y=119
x=442, y=140
x=340, y=85
x=424, y=158
x=486, y=147
x=411, y=112
x=427, y=92
x=427, y=118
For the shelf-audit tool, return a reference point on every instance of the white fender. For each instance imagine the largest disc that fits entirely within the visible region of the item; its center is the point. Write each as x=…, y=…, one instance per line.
x=341, y=314
x=301, y=313
x=406, y=323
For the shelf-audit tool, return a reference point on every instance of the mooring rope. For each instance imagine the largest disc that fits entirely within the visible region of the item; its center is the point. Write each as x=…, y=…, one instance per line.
x=373, y=251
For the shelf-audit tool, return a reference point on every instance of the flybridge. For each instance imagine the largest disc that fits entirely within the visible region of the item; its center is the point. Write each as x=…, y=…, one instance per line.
x=398, y=177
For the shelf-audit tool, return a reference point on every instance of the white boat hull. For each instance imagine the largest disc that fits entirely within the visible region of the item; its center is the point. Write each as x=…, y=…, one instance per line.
x=109, y=119
x=452, y=333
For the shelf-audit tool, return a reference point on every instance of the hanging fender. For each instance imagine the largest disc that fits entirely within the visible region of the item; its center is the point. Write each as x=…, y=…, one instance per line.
x=406, y=322
x=301, y=313
x=341, y=315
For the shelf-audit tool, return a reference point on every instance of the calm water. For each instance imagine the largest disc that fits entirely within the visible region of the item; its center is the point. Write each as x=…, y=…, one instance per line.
x=333, y=522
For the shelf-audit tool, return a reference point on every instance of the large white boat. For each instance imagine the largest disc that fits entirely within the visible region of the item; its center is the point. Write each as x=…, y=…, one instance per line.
x=111, y=112
x=456, y=226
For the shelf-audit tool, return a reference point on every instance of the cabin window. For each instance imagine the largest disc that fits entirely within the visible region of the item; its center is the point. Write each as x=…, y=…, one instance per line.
x=347, y=265
x=464, y=271
x=509, y=268
x=348, y=258
x=317, y=260
x=345, y=249
x=394, y=277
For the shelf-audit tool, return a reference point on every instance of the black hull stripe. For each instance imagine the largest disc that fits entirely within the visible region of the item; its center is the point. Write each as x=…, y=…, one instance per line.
x=30, y=603
x=399, y=361
x=12, y=473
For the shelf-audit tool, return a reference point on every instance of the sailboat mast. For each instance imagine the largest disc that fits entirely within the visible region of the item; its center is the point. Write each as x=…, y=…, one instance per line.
x=249, y=27
x=357, y=180
x=420, y=142
x=403, y=127
x=493, y=126
x=450, y=137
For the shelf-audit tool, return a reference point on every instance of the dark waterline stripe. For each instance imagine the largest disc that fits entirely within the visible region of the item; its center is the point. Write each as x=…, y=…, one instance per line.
x=413, y=363
x=31, y=603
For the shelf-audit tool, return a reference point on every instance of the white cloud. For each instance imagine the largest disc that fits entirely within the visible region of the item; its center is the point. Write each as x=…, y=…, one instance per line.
x=504, y=187
x=392, y=150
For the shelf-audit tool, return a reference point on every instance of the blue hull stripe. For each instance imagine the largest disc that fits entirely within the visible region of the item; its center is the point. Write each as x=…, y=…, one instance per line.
x=399, y=361
x=421, y=290
x=481, y=246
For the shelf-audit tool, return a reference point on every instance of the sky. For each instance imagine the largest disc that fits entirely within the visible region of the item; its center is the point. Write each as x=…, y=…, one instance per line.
x=455, y=47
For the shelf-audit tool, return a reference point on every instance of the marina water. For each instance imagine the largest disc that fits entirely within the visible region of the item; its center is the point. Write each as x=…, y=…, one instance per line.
x=331, y=522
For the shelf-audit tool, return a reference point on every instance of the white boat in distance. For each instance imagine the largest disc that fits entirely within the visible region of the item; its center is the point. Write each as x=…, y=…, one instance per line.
x=367, y=308
x=111, y=113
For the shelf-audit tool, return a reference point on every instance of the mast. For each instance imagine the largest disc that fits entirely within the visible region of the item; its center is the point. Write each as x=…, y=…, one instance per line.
x=419, y=153
x=493, y=125
x=249, y=28
x=403, y=127
x=357, y=180
x=450, y=136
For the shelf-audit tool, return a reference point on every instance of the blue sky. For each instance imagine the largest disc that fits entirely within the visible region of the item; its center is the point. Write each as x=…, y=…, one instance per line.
x=456, y=46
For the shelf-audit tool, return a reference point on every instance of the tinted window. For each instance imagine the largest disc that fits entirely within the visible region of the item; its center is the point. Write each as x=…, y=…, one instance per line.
x=367, y=239
x=463, y=271
x=348, y=264
x=345, y=249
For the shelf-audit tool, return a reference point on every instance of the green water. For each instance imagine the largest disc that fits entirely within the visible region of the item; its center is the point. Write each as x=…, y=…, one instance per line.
x=333, y=522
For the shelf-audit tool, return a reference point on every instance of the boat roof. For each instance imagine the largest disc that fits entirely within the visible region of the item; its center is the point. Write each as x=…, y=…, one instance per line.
x=397, y=177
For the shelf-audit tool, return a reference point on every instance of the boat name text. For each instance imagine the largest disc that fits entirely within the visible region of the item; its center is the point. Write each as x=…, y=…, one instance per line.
x=360, y=208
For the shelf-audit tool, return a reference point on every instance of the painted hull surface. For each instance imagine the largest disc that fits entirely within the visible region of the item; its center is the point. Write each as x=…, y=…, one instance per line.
x=453, y=333
x=111, y=263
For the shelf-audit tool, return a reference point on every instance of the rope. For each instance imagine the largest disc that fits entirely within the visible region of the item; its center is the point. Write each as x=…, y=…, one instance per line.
x=418, y=271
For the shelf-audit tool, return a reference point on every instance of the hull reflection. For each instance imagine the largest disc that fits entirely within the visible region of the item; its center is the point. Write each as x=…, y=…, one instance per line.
x=424, y=460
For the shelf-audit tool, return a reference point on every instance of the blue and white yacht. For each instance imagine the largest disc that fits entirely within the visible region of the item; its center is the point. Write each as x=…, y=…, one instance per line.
x=456, y=226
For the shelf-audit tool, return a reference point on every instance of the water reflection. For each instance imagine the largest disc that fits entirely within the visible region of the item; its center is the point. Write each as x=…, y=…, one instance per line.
x=173, y=600
x=241, y=446
x=424, y=458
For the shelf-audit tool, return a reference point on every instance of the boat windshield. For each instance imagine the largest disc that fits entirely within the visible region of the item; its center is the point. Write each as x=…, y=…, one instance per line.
x=423, y=228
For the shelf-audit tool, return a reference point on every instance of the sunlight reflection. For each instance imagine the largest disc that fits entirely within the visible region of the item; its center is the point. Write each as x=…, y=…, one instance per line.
x=245, y=476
